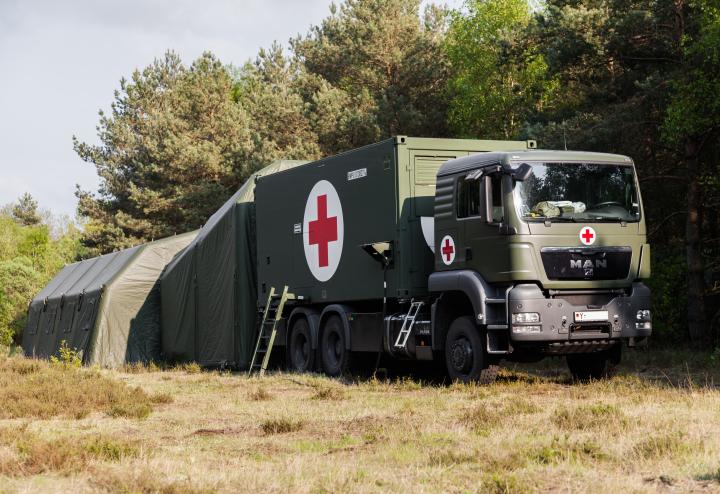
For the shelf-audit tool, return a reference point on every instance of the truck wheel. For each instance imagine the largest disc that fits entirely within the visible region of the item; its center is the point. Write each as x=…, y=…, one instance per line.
x=587, y=366
x=335, y=356
x=300, y=351
x=465, y=354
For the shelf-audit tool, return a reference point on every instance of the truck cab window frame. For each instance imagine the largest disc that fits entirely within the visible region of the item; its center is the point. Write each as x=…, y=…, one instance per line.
x=468, y=198
x=493, y=190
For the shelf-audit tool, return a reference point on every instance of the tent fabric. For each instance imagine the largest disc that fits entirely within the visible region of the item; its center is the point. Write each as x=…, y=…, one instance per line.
x=209, y=292
x=106, y=308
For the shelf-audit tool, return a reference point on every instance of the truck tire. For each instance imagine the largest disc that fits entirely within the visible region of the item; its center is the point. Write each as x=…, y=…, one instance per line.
x=301, y=356
x=465, y=355
x=598, y=365
x=334, y=356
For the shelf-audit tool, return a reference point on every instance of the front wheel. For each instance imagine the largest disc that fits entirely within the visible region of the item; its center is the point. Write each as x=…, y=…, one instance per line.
x=465, y=354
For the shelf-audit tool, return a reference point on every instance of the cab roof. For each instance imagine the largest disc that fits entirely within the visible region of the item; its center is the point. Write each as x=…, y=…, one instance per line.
x=481, y=160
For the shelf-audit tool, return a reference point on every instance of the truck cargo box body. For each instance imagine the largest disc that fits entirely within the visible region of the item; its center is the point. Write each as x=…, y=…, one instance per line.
x=313, y=220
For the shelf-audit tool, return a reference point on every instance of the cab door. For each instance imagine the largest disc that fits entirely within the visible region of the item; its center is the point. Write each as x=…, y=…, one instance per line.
x=485, y=246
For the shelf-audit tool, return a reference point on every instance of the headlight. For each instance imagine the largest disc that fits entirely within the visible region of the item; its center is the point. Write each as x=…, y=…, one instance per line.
x=644, y=315
x=525, y=318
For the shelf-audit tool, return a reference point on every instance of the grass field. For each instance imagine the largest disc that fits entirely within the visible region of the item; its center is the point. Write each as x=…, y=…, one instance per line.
x=653, y=427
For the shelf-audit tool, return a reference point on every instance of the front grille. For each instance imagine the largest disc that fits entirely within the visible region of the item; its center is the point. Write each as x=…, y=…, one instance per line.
x=586, y=263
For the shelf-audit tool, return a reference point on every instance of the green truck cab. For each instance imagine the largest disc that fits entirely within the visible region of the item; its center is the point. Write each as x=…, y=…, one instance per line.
x=548, y=250
x=463, y=251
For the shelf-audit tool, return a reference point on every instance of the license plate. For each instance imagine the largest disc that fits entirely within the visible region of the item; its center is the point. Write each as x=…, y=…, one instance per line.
x=591, y=316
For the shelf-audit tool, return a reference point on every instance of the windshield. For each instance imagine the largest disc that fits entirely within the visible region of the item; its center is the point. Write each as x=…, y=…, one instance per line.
x=578, y=192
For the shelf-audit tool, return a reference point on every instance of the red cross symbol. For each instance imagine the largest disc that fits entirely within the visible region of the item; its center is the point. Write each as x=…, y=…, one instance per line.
x=448, y=249
x=322, y=231
x=587, y=235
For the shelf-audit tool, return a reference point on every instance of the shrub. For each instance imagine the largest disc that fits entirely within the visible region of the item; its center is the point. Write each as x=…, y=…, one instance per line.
x=68, y=356
x=18, y=283
x=281, y=425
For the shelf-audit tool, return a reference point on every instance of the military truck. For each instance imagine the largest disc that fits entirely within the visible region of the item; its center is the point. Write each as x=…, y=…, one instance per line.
x=462, y=251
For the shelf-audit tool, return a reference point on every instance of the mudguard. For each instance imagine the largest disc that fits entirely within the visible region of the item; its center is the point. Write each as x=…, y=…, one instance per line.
x=468, y=282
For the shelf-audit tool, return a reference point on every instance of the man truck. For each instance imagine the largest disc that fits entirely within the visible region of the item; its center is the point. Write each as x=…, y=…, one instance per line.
x=462, y=251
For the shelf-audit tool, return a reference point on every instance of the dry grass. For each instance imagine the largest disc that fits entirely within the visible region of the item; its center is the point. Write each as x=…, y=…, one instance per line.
x=27, y=453
x=145, y=481
x=655, y=426
x=260, y=394
x=332, y=393
x=38, y=389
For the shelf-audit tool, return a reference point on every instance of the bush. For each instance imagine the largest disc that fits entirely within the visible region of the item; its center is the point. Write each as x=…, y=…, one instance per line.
x=69, y=357
x=18, y=283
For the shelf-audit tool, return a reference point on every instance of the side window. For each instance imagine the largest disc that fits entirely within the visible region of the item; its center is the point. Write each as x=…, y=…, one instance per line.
x=497, y=207
x=468, y=198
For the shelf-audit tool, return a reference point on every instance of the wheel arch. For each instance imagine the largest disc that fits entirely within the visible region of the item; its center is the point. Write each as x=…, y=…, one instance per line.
x=448, y=307
x=468, y=282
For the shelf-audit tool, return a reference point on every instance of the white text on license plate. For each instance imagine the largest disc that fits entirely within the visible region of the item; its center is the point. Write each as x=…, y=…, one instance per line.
x=591, y=316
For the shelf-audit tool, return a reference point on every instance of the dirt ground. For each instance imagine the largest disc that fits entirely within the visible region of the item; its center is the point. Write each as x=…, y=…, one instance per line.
x=655, y=426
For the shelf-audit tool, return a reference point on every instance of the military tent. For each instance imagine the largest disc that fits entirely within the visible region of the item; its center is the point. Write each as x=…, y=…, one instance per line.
x=209, y=293
x=106, y=308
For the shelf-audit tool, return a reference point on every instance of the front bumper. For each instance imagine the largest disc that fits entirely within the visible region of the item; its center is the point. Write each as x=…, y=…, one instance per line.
x=557, y=314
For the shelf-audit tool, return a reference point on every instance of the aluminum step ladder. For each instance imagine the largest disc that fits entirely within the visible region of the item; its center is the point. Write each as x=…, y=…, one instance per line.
x=268, y=329
x=407, y=324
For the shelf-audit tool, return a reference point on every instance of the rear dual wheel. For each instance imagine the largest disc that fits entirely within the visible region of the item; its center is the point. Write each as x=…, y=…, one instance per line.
x=301, y=356
x=334, y=355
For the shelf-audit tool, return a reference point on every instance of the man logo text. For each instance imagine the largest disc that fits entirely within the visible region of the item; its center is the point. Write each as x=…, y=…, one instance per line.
x=579, y=264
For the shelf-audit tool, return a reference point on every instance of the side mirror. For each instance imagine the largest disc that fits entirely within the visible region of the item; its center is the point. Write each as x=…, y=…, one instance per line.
x=522, y=172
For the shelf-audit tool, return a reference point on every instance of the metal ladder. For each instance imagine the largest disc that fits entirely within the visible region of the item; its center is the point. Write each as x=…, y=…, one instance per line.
x=268, y=329
x=406, y=328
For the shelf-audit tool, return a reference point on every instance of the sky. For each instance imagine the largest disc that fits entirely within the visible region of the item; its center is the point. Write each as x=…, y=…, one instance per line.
x=60, y=62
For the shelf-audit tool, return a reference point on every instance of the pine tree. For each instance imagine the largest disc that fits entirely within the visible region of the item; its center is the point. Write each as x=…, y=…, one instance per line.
x=25, y=211
x=381, y=71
